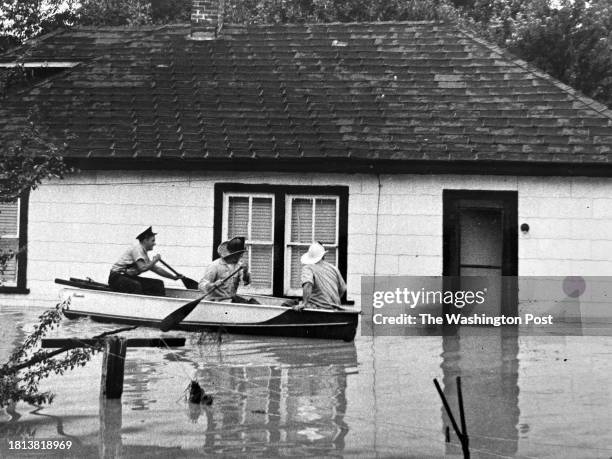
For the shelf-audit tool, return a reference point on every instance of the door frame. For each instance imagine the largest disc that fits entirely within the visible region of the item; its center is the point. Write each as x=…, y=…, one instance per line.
x=451, y=237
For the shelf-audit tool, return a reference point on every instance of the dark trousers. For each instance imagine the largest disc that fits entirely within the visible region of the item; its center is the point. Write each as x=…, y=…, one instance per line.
x=135, y=284
x=241, y=299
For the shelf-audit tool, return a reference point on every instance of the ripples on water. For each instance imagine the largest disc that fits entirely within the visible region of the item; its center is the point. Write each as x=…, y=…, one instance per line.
x=524, y=396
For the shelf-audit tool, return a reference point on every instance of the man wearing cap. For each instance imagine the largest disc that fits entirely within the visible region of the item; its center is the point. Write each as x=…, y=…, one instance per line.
x=322, y=283
x=124, y=274
x=230, y=258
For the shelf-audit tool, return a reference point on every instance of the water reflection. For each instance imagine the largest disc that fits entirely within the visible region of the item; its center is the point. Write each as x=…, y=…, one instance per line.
x=271, y=397
x=374, y=397
x=140, y=375
x=276, y=405
x=488, y=365
x=111, y=414
x=110, y=442
x=12, y=332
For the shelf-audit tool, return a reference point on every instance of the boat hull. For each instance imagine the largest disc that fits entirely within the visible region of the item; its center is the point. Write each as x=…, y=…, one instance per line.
x=252, y=319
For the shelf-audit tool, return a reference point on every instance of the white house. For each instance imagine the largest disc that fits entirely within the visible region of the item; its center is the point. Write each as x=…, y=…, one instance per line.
x=408, y=148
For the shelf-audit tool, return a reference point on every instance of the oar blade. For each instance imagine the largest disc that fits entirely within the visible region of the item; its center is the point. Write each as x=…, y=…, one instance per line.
x=189, y=283
x=177, y=316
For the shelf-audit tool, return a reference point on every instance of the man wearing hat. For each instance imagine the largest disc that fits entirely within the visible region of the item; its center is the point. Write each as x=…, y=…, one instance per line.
x=230, y=255
x=322, y=283
x=124, y=275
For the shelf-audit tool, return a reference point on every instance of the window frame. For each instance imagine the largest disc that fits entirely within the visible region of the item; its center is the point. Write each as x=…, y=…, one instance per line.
x=20, y=286
x=281, y=192
x=249, y=241
x=289, y=197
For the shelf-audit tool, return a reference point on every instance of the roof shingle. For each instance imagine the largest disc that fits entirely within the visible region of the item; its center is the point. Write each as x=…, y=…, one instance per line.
x=397, y=91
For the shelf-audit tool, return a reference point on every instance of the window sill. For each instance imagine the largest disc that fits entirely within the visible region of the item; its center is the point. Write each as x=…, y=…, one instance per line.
x=14, y=290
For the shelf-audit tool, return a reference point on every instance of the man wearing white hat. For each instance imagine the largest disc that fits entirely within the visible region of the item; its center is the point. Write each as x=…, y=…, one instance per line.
x=322, y=283
x=230, y=253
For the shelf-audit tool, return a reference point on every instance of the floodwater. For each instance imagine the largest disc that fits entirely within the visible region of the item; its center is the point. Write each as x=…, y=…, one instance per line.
x=524, y=396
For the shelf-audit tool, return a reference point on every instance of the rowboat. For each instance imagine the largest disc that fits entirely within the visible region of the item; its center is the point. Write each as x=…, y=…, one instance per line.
x=97, y=301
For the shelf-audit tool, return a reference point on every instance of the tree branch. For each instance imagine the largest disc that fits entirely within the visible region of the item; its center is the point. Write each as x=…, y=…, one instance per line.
x=39, y=358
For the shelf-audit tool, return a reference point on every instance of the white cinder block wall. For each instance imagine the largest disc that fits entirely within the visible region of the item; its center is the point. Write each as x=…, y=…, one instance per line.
x=79, y=226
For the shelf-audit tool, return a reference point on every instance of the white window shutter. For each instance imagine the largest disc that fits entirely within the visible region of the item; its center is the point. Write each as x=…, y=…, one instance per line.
x=295, y=279
x=238, y=218
x=301, y=220
x=325, y=221
x=9, y=241
x=9, y=274
x=261, y=220
x=9, y=215
x=261, y=267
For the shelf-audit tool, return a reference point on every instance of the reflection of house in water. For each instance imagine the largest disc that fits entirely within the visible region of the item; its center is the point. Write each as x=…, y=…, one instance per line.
x=139, y=375
x=13, y=320
x=488, y=366
x=109, y=436
x=299, y=399
x=110, y=443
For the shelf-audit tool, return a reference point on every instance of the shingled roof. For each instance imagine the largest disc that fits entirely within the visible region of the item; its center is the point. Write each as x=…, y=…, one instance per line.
x=362, y=93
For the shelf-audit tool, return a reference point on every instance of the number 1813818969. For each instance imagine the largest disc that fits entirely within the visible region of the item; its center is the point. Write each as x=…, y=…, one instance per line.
x=32, y=445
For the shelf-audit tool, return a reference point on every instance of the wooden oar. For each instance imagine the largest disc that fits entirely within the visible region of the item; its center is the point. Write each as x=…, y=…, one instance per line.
x=187, y=282
x=177, y=316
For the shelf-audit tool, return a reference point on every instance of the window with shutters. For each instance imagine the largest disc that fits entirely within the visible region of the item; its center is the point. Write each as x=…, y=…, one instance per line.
x=308, y=219
x=279, y=223
x=252, y=216
x=12, y=245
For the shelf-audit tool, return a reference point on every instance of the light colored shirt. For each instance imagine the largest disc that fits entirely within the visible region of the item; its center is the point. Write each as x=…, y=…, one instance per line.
x=218, y=270
x=129, y=258
x=327, y=284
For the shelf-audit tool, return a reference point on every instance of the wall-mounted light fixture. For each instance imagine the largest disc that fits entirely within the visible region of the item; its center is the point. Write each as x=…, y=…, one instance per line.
x=525, y=228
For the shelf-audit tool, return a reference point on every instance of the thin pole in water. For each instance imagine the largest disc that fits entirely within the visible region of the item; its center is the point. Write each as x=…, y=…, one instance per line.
x=465, y=441
x=462, y=435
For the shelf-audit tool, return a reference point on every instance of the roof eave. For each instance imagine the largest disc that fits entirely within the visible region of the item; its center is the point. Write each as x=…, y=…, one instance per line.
x=352, y=166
